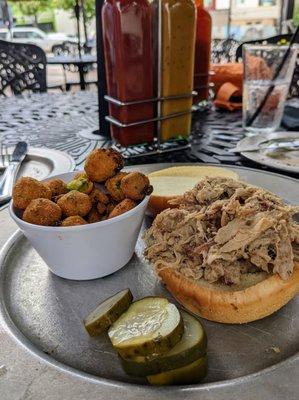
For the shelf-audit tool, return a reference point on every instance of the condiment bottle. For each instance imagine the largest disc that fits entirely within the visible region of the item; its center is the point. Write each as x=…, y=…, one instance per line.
x=177, y=64
x=202, y=52
x=127, y=35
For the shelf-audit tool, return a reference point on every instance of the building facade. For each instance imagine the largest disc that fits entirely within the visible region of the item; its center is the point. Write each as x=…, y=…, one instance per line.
x=244, y=19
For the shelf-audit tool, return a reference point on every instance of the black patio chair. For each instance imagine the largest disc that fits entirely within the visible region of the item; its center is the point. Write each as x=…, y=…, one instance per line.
x=224, y=50
x=71, y=49
x=278, y=39
x=22, y=68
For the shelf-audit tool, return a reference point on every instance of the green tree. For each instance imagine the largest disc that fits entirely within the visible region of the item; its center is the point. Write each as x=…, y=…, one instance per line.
x=33, y=7
x=89, y=6
x=296, y=13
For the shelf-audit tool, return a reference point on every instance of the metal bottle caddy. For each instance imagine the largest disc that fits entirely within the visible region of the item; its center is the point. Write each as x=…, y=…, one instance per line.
x=205, y=104
x=156, y=146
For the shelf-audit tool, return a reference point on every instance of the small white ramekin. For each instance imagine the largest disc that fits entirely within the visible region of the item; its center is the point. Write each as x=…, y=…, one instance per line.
x=86, y=251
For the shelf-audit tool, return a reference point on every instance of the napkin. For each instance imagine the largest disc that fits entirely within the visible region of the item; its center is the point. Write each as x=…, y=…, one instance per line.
x=228, y=80
x=229, y=97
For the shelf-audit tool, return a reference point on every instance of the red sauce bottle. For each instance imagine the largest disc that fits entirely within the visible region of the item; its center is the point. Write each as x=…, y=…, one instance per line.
x=127, y=35
x=202, y=52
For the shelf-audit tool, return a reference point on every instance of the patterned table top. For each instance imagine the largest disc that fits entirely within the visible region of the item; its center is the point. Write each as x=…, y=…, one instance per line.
x=58, y=120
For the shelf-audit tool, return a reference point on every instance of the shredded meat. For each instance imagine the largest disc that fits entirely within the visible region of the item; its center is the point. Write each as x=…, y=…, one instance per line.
x=222, y=229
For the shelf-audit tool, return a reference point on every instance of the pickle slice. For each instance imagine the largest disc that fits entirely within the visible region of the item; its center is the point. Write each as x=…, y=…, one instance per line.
x=108, y=312
x=192, y=346
x=150, y=326
x=191, y=373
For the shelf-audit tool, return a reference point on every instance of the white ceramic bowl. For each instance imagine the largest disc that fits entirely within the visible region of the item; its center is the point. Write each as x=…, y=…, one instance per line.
x=86, y=251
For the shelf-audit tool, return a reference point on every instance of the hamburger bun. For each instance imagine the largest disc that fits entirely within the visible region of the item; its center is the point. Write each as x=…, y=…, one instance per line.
x=171, y=182
x=258, y=295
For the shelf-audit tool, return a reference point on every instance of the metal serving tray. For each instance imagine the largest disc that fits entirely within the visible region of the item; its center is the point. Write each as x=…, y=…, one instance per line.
x=41, y=315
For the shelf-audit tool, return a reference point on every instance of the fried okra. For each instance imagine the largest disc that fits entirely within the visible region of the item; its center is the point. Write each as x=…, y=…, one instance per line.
x=42, y=212
x=111, y=206
x=102, y=164
x=122, y=207
x=56, y=198
x=57, y=187
x=101, y=208
x=74, y=220
x=80, y=183
x=114, y=188
x=136, y=186
x=98, y=196
x=27, y=189
x=93, y=216
x=80, y=174
x=75, y=203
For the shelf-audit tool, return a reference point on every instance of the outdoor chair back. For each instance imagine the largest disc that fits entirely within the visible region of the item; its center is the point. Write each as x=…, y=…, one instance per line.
x=224, y=50
x=22, y=68
x=278, y=39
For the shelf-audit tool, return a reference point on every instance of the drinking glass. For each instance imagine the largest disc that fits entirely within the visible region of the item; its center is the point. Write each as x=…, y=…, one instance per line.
x=260, y=66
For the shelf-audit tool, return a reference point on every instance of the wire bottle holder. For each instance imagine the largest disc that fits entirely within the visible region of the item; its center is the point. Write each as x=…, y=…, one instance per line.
x=157, y=145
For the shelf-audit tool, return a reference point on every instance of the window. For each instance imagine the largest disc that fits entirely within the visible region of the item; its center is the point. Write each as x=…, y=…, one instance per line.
x=255, y=3
x=209, y=4
x=222, y=4
x=35, y=35
x=26, y=35
x=20, y=35
x=247, y=3
x=267, y=3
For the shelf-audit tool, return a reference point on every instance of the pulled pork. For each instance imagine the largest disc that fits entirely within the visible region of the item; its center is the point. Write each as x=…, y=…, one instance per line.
x=222, y=229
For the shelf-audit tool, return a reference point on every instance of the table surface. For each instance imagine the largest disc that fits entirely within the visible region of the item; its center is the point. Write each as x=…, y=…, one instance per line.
x=76, y=60
x=57, y=121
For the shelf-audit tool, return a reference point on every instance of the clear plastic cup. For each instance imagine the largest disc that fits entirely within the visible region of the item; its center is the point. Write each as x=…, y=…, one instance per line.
x=260, y=65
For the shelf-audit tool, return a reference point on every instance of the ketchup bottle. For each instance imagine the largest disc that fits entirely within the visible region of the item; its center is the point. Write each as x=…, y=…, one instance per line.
x=202, y=52
x=128, y=48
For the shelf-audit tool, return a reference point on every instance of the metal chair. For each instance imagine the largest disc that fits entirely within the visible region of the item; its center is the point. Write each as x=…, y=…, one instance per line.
x=278, y=39
x=22, y=67
x=224, y=50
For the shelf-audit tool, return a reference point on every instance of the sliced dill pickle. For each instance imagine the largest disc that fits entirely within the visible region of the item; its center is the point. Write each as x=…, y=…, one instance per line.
x=108, y=312
x=151, y=325
x=192, y=346
x=191, y=373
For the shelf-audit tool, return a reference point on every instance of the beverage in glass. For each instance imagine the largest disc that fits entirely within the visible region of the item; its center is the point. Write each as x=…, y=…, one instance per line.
x=260, y=66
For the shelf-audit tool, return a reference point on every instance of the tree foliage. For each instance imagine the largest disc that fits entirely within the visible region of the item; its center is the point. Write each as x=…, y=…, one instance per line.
x=89, y=6
x=32, y=7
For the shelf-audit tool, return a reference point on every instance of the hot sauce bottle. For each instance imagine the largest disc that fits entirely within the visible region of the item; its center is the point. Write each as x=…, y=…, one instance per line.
x=202, y=52
x=177, y=64
x=128, y=46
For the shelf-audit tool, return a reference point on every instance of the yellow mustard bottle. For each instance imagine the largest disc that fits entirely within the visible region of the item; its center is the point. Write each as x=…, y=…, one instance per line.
x=177, y=64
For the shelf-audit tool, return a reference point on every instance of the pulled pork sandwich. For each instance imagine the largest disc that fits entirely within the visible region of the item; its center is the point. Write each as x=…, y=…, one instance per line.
x=228, y=252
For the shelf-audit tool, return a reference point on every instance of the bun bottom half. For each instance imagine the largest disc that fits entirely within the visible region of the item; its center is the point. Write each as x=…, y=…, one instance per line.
x=158, y=204
x=258, y=296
